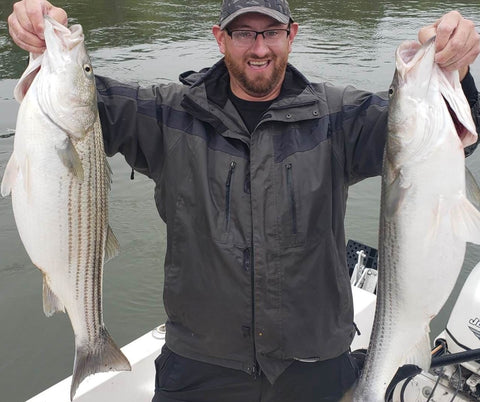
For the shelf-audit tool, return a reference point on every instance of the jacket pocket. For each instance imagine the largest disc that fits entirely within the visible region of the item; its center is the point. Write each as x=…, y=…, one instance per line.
x=228, y=194
x=291, y=197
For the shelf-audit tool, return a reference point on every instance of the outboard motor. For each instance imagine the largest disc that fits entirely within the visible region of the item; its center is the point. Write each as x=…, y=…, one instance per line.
x=463, y=328
x=452, y=381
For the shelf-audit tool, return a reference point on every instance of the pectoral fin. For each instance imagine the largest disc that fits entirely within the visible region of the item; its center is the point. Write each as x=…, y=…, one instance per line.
x=394, y=196
x=466, y=221
x=70, y=158
x=51, y=303
x=112, y=246
x=9, y=177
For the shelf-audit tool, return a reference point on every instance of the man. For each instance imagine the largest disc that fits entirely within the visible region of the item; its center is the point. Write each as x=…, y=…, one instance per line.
x=251, y=164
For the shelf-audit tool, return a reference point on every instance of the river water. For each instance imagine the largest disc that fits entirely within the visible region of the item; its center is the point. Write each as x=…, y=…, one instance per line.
x=153, y=41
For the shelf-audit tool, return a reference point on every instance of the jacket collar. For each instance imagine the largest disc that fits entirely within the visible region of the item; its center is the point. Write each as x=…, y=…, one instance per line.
x=216, y=81
x=207, y=97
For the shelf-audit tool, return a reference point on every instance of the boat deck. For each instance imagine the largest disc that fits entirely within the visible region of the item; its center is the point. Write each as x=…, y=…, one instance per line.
x=138, y=385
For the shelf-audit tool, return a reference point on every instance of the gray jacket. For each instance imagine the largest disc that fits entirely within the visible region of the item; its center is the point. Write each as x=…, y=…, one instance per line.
x=255, y=269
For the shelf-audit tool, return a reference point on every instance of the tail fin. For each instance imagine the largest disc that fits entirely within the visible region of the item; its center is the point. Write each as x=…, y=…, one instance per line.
x=104, y=355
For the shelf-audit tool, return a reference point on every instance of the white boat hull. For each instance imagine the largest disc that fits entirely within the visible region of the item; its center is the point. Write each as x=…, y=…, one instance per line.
x=139, y=384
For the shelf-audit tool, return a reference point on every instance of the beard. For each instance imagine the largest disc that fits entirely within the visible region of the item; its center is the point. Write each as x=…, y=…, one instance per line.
x=261, y=85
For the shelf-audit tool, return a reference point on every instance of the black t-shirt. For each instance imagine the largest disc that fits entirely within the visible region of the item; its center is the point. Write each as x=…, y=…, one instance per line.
x=250, y=111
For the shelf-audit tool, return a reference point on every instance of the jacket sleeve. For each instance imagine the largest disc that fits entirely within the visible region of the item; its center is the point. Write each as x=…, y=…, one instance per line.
x=131, y=119
x=359, y=130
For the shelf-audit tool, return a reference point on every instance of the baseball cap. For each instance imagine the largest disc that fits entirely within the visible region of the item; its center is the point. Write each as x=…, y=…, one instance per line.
x=277, y=9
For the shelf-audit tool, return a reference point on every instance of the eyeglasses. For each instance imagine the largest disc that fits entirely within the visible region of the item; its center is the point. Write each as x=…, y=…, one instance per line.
x=247, y=38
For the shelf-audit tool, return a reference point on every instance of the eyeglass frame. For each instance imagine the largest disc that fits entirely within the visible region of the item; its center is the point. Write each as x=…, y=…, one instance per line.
x=230, y=32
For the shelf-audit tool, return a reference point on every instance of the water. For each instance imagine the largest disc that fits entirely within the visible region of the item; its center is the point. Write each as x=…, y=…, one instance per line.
x=153, y=41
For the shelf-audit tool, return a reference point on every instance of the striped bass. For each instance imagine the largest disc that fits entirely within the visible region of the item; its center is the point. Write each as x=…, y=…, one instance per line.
x=59, y=180
x=425, y=217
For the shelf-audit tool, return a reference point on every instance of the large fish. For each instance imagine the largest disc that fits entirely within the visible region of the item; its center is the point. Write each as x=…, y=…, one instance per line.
x=59, y=180
x=425, y=219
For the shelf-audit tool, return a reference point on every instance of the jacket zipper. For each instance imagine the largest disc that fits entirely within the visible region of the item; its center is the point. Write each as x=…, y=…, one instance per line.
x=228, y=186
x=291, y=193
x=256, y=367
x=250, y=265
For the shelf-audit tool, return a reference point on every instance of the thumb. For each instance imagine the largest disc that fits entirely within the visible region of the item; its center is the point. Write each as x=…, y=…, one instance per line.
x=46, y=8
x=58, y=14
x=427, y=33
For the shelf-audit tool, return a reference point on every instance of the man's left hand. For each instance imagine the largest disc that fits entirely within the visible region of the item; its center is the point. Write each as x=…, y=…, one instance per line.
x=457, y=42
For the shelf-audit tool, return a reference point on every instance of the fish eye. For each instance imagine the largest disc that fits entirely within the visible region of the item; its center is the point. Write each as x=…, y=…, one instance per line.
x=391, y=92
x=87, y=68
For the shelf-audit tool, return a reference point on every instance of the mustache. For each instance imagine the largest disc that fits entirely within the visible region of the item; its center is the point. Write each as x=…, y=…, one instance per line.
x=255, y=57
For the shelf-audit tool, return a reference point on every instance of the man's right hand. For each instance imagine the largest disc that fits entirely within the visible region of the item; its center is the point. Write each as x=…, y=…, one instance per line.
x=26, y=23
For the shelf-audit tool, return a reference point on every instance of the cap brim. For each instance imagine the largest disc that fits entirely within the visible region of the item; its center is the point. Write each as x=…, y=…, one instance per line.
x=276, y=15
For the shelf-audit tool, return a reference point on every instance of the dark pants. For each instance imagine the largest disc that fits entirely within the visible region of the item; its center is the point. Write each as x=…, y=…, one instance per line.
x=179, y=379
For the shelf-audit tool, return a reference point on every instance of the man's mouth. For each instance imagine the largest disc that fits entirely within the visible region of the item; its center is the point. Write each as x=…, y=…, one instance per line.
x=259, y=65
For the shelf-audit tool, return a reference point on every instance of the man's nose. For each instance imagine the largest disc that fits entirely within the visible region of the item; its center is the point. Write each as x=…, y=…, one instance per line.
x=259, y=47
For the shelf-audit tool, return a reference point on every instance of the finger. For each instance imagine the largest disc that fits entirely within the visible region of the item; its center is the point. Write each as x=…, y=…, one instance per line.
x=454, y=49
x=462, y=48
x=446, y=27
x=34, y=11
x=22, y=37
x=58, y=14
x=426, y=33
x=462, y=62
x=28, y=42
x=30, y=48
x=20, y=21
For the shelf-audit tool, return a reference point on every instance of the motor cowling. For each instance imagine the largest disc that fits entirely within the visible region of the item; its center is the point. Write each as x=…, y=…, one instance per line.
x=463, y=327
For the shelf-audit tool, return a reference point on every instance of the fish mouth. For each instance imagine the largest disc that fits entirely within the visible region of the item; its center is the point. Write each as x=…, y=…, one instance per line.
x=410, y=54
x=69, y=37
x=76, y=33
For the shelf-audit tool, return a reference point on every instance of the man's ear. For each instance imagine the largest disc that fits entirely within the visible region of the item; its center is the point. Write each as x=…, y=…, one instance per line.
x=220, y=37
x=293, y=33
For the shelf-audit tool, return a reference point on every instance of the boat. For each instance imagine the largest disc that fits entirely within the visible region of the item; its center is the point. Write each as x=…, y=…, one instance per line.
x=454, y=376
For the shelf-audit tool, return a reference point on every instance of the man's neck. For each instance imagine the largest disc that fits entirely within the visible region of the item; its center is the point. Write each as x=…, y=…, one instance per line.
x=250, y=111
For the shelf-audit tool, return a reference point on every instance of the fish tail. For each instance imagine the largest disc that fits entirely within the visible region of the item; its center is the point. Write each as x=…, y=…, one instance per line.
x=104, y=355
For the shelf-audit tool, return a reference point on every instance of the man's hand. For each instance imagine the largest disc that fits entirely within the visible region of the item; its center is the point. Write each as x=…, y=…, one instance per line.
x=457, y=41
x=26, y=23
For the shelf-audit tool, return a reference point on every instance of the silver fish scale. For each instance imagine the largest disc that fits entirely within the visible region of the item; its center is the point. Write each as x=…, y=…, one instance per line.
x=88, y=228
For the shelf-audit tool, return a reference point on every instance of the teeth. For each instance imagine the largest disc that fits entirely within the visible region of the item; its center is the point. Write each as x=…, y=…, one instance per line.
x=258, y=63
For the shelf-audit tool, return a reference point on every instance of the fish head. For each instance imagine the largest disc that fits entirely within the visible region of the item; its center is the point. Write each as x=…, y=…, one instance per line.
x=68, y=82
x=427, y=105
x=410, y=87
